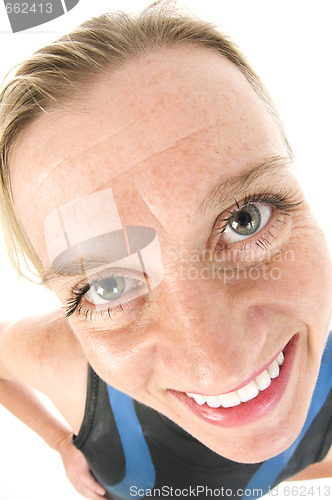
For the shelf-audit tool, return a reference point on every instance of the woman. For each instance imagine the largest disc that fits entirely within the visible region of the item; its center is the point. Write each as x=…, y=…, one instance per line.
x=147, y=176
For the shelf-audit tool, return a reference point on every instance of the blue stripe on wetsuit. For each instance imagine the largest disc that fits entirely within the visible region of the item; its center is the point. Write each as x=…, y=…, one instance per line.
x=271, y=469
x=140, y=471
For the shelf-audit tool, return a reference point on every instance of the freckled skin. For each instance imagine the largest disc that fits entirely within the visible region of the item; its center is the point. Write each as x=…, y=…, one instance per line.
x=190, y=119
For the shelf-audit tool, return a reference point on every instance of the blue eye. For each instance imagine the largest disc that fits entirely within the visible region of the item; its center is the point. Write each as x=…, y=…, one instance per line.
x=246, y=221
x=105, y=294
x=110, y=289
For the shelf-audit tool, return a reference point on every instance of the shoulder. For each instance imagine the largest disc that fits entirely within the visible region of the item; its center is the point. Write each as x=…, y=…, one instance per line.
x=44, y=353
x=37, y=345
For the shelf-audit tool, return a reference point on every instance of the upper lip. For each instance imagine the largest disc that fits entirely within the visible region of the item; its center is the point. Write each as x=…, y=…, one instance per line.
x=245, y=382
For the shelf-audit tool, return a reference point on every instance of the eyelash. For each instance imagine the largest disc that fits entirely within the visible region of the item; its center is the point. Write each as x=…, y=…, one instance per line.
x=281, y=201
x=74, y=302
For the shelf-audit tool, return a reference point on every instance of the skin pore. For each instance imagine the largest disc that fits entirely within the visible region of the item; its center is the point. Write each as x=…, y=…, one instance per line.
x=162, y=132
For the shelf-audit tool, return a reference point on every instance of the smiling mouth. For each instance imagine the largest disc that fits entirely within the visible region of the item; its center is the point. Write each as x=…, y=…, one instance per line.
x=251, y=401
x=256, y=398
x=247, y=392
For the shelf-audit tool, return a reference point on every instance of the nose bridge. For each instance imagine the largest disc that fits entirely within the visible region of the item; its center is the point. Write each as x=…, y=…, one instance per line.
x=209, y=332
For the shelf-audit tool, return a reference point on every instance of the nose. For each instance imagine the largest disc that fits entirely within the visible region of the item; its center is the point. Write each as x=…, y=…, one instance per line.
x=209, y=335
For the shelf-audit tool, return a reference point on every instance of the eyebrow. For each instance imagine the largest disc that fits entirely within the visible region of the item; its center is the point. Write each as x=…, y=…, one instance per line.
x=72, y=269
x=224, y=191
x=99, y=251
x=219, y=195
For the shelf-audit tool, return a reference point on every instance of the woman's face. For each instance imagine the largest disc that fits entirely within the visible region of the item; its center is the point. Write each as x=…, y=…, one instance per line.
x=185, y=147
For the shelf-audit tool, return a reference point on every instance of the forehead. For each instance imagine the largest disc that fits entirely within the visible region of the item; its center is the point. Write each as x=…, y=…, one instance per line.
x=166, y=124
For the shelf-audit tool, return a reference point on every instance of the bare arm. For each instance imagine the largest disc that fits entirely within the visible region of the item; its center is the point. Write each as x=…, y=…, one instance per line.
x=22, y=402
x=31, y=354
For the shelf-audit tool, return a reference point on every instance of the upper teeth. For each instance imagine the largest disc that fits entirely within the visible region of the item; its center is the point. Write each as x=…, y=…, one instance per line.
x=249, y=391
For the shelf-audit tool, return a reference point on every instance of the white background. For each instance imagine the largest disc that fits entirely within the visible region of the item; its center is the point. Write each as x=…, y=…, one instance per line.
x=289, y=44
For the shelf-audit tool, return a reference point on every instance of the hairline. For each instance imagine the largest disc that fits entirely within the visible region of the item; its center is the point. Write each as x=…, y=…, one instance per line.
x=94, y=59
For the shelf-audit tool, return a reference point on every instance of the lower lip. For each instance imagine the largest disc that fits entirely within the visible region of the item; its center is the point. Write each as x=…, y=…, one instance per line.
x=256, y=408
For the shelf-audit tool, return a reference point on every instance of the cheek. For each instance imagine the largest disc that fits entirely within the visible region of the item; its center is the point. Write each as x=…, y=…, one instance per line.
x=122, y=358
x=302, y=281
x=311, y=270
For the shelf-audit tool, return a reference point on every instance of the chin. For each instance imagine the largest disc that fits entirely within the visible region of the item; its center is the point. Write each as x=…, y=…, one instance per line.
x=259, y=442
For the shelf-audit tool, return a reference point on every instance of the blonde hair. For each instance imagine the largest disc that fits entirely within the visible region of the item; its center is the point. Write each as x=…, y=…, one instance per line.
x=56, y=73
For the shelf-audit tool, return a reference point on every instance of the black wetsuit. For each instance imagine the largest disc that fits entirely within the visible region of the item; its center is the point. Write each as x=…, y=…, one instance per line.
x=136, y=452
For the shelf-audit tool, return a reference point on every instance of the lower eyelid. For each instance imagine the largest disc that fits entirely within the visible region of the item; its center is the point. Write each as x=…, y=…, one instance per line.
x=110, y=319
